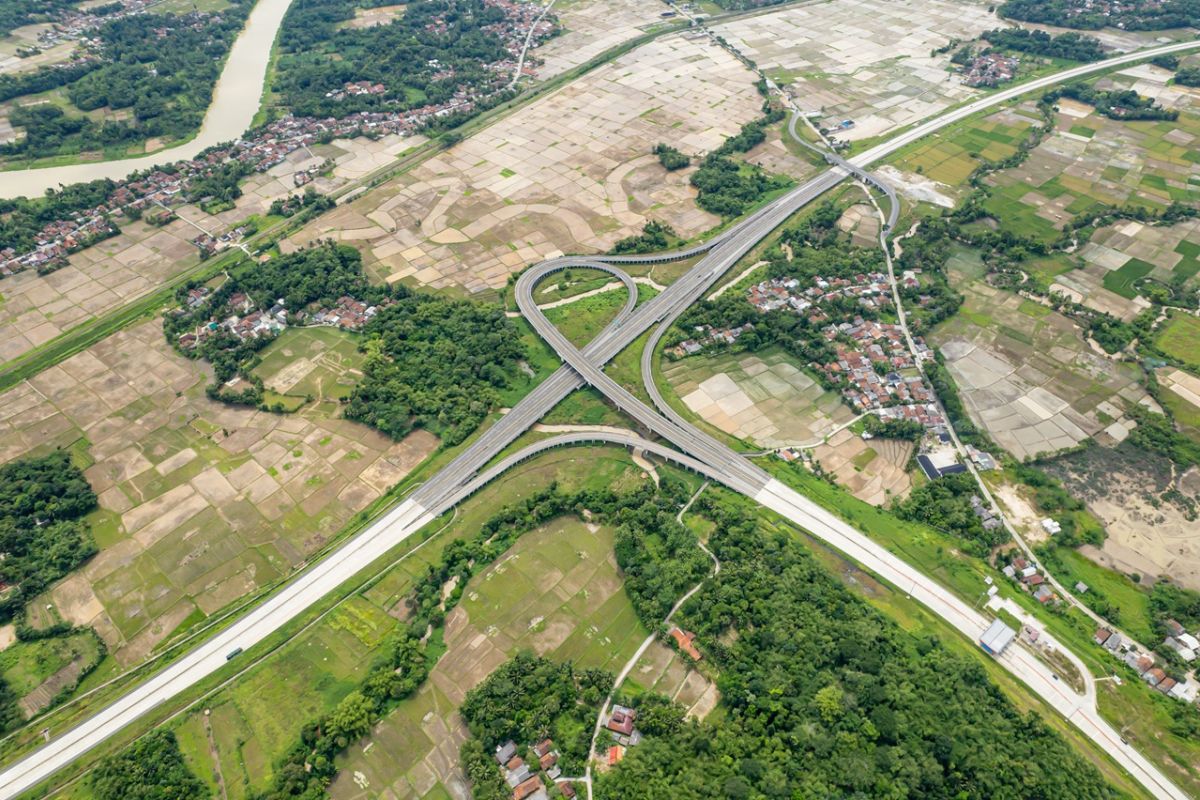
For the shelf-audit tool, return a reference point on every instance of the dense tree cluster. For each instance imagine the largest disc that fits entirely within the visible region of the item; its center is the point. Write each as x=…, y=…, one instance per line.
x=423, y=56
x=824, y=697
x=1142, y=15
x=21, y=219
x=659, y=558
x=15, y=13
x=1156, y=433
x=945, y=504
x=152, y=768
x=434, y=363
x=431, y=362
x=729, y=187
x=1070, y=46
x=42, y=533
x=162, y=67
x=528, y=699
x=1188, y=76
x=655, y=236
x=1122, y=104
x=670, y=158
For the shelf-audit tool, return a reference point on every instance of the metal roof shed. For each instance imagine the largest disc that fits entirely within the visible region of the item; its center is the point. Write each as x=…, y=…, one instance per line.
x=997, y=637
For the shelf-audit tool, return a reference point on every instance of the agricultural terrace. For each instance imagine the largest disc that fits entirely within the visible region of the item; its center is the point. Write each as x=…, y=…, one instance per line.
x=200, y=502
x=846, y=60
x=1026, y=374
x=875, y=471
x=761, y=398
x=571, y=172
x=1181, y=398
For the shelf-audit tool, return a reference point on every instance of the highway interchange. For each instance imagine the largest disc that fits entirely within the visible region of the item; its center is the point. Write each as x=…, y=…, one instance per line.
x=469, y=471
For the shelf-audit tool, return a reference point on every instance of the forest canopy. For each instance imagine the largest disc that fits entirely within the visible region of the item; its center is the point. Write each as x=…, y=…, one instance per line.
x=42, y=533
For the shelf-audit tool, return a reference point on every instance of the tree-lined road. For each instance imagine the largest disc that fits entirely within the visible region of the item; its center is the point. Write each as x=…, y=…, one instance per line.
x=469, y=471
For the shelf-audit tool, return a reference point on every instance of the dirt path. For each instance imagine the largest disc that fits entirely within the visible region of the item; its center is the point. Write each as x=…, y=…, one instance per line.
x=216, y=757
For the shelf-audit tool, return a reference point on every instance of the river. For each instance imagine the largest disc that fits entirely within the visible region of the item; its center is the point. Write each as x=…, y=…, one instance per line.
x=235, y=102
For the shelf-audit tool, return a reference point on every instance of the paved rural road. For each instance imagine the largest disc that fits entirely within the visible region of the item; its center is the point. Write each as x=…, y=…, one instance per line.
x=462, y=476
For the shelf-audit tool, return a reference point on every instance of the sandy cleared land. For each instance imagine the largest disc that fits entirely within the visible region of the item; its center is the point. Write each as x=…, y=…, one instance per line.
x=1027, y=376
x=865, y=60
x=874, y=471
x=764, y=399
x=200, y=502
x=570, y=173
x=1148, y=534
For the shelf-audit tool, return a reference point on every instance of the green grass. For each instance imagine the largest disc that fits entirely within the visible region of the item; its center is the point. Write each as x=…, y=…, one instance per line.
x=333, y=354
x=585, y=407
x=26, y=665
x=1180, y=339
x=1123, y=281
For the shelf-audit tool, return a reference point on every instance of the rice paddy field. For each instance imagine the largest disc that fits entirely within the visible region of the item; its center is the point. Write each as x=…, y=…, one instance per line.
x=317, y=363
x=1026, y=374
x=762, y=398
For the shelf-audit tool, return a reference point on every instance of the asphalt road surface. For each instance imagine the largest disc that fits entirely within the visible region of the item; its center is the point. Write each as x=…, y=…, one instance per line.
x=466, y=473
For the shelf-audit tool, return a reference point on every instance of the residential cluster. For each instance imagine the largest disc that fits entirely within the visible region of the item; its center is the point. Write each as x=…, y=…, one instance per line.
x=871, y=290
x=707, y=335
x=1144, y=664
x=356, y=89
x=1031, y=578
x=248, y=321
x=990, y=69
x=56, y=241
x=525, y=778
x=620, y=725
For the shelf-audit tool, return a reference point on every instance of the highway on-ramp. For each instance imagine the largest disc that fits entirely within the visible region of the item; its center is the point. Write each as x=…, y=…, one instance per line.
x=467, y=472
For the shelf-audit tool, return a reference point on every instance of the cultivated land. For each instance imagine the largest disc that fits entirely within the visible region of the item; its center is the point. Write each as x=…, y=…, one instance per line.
x=556, y=591
x=875, y=471
x=589, y=28
x=571, y=172
x=1028, y=377
x=934, y=171
x=866, y=60
x=762, y=398
x=200, y=502
x=321, y=363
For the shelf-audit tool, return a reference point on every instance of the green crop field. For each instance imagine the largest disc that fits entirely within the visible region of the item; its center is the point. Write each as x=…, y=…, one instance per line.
x=1180, y=339
x=1123, y=281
